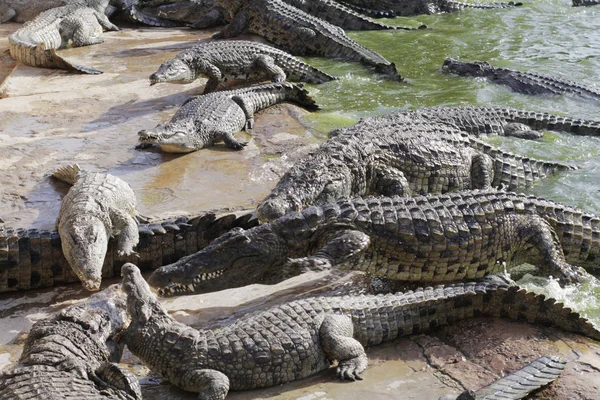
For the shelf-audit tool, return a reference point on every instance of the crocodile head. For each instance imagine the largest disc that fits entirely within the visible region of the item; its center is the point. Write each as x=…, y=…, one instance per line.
x=237, y=258
x=142, y=304
x=477, y=68
x=84, y=243
x=173, y=71
x=171, y=138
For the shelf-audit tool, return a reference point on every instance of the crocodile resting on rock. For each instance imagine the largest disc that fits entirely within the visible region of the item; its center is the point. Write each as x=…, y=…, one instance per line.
x=300, y=338
x=443, y=238
x=293, y=30
x=521, y=82
x=429, y=150
x=36, y=42
x=392, y=8
x=73, y=355
x=207, y=119
x=221, y=61
x=34, y=258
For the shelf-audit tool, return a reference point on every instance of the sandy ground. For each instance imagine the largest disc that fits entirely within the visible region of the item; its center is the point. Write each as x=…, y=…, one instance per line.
x=51, y=118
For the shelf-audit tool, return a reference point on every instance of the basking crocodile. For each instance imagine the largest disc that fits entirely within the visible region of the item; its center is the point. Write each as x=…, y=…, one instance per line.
x=97, y=207
x=521, y=82
x=133, y=10
x=391, y=8
x=36, y=42
x=221, y=61
x=411, y=152
x=300, y=338
x=293, y=30
x=72, y=355
x=442, y=238
x=34, y=259
x=214, y=117
x=187, y=11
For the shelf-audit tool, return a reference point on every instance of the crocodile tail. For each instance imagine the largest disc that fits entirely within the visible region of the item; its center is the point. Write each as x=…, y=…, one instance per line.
x=302, y=72
x=68, y=173
x=371, y=12
x=451, y=5
x=39, y=56
x=303, y=98
x=554, y=122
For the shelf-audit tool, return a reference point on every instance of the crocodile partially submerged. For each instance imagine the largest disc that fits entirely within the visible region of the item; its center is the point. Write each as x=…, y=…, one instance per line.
x=293, y=30
x=392, y=8
x=300, y=338
x=414, y=152
x=36, y=42
x=443, y=238
x=33, y=258
x=215, y=117
x=520, y=82
x=73, y=354
x=222, y=61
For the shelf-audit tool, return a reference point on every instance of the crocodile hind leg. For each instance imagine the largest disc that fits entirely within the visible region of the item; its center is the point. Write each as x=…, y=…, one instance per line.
x=267, y=64
x=208, y=383
x=482, y=171
x=112, y=375
x=229, y=140
x=387, y=180
x=335, y=336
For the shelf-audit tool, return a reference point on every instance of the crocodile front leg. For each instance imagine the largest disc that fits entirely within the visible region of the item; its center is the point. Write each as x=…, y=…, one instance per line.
x=335, y=336
x=212, y=18
x=214, y=77
x=208, y=383
x=113, y=375
x=248, y=109
x=482, y=171
x=345, y=245
x=267, y=64
x=129, y=235
x=235, y=28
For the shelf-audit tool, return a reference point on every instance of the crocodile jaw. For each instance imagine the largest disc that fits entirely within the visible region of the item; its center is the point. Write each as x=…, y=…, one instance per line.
x=173, y=71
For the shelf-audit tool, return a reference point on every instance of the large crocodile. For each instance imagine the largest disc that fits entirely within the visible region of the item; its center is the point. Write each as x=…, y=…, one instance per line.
x=391, y=8
x=412, y=152
x=521, y=82
x=443, y=238
x=300, y=338
x=293, y=30
x=73, y=355
x=214, y=117
x=34, y=259
x=97, y=207
x=36, y=42
x=221, y=61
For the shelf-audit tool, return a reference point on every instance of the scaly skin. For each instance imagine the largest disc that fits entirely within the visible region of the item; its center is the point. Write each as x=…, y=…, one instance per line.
x=300, y=338
x=392, y=8
x=72, y=355
x=133, y=11
x=221, y=61
x=521, y=82
x=427, y=151
x=215, y=117
x=36, y=42
x=187, y=11
x=442, y=238
x=295, y=31
x=34, y=259
x=577, y=3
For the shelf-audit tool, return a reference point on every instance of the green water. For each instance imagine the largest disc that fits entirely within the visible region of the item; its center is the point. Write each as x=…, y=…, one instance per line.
x=549, y=37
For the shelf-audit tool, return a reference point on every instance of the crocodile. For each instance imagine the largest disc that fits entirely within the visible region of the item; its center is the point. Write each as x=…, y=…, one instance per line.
x=425, y=151
x=293, y=30
x=519, y=384
x=297, y=339
x=134, y=11
x=33, y=258
x=185, y=12
x=36, y=42
x=207, y=119
x=441, y=238
x=97, y=207
x=221, y=61
x=74, y=354
x=24, y=10
x=392, y=8
x=577, y=3
x=521, y=82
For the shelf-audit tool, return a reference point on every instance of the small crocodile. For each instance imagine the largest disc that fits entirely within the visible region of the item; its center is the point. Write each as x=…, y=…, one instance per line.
x=205, y=120
x=443, y=238
x=221, y=61
x=33, y=258
x=392, y=8
x=300, y=338
x=73, y=354
x=295, y=31
x=412, y=152
x=36, y=42
x=521, y=82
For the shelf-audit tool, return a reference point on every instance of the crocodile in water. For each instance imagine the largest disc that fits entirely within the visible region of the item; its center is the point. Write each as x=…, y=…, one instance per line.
x=391, y=8
x=300, y=338
x=221, y=61
x=215, y=117
x=73, y=355
x=520, y=82
x=443, y=238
